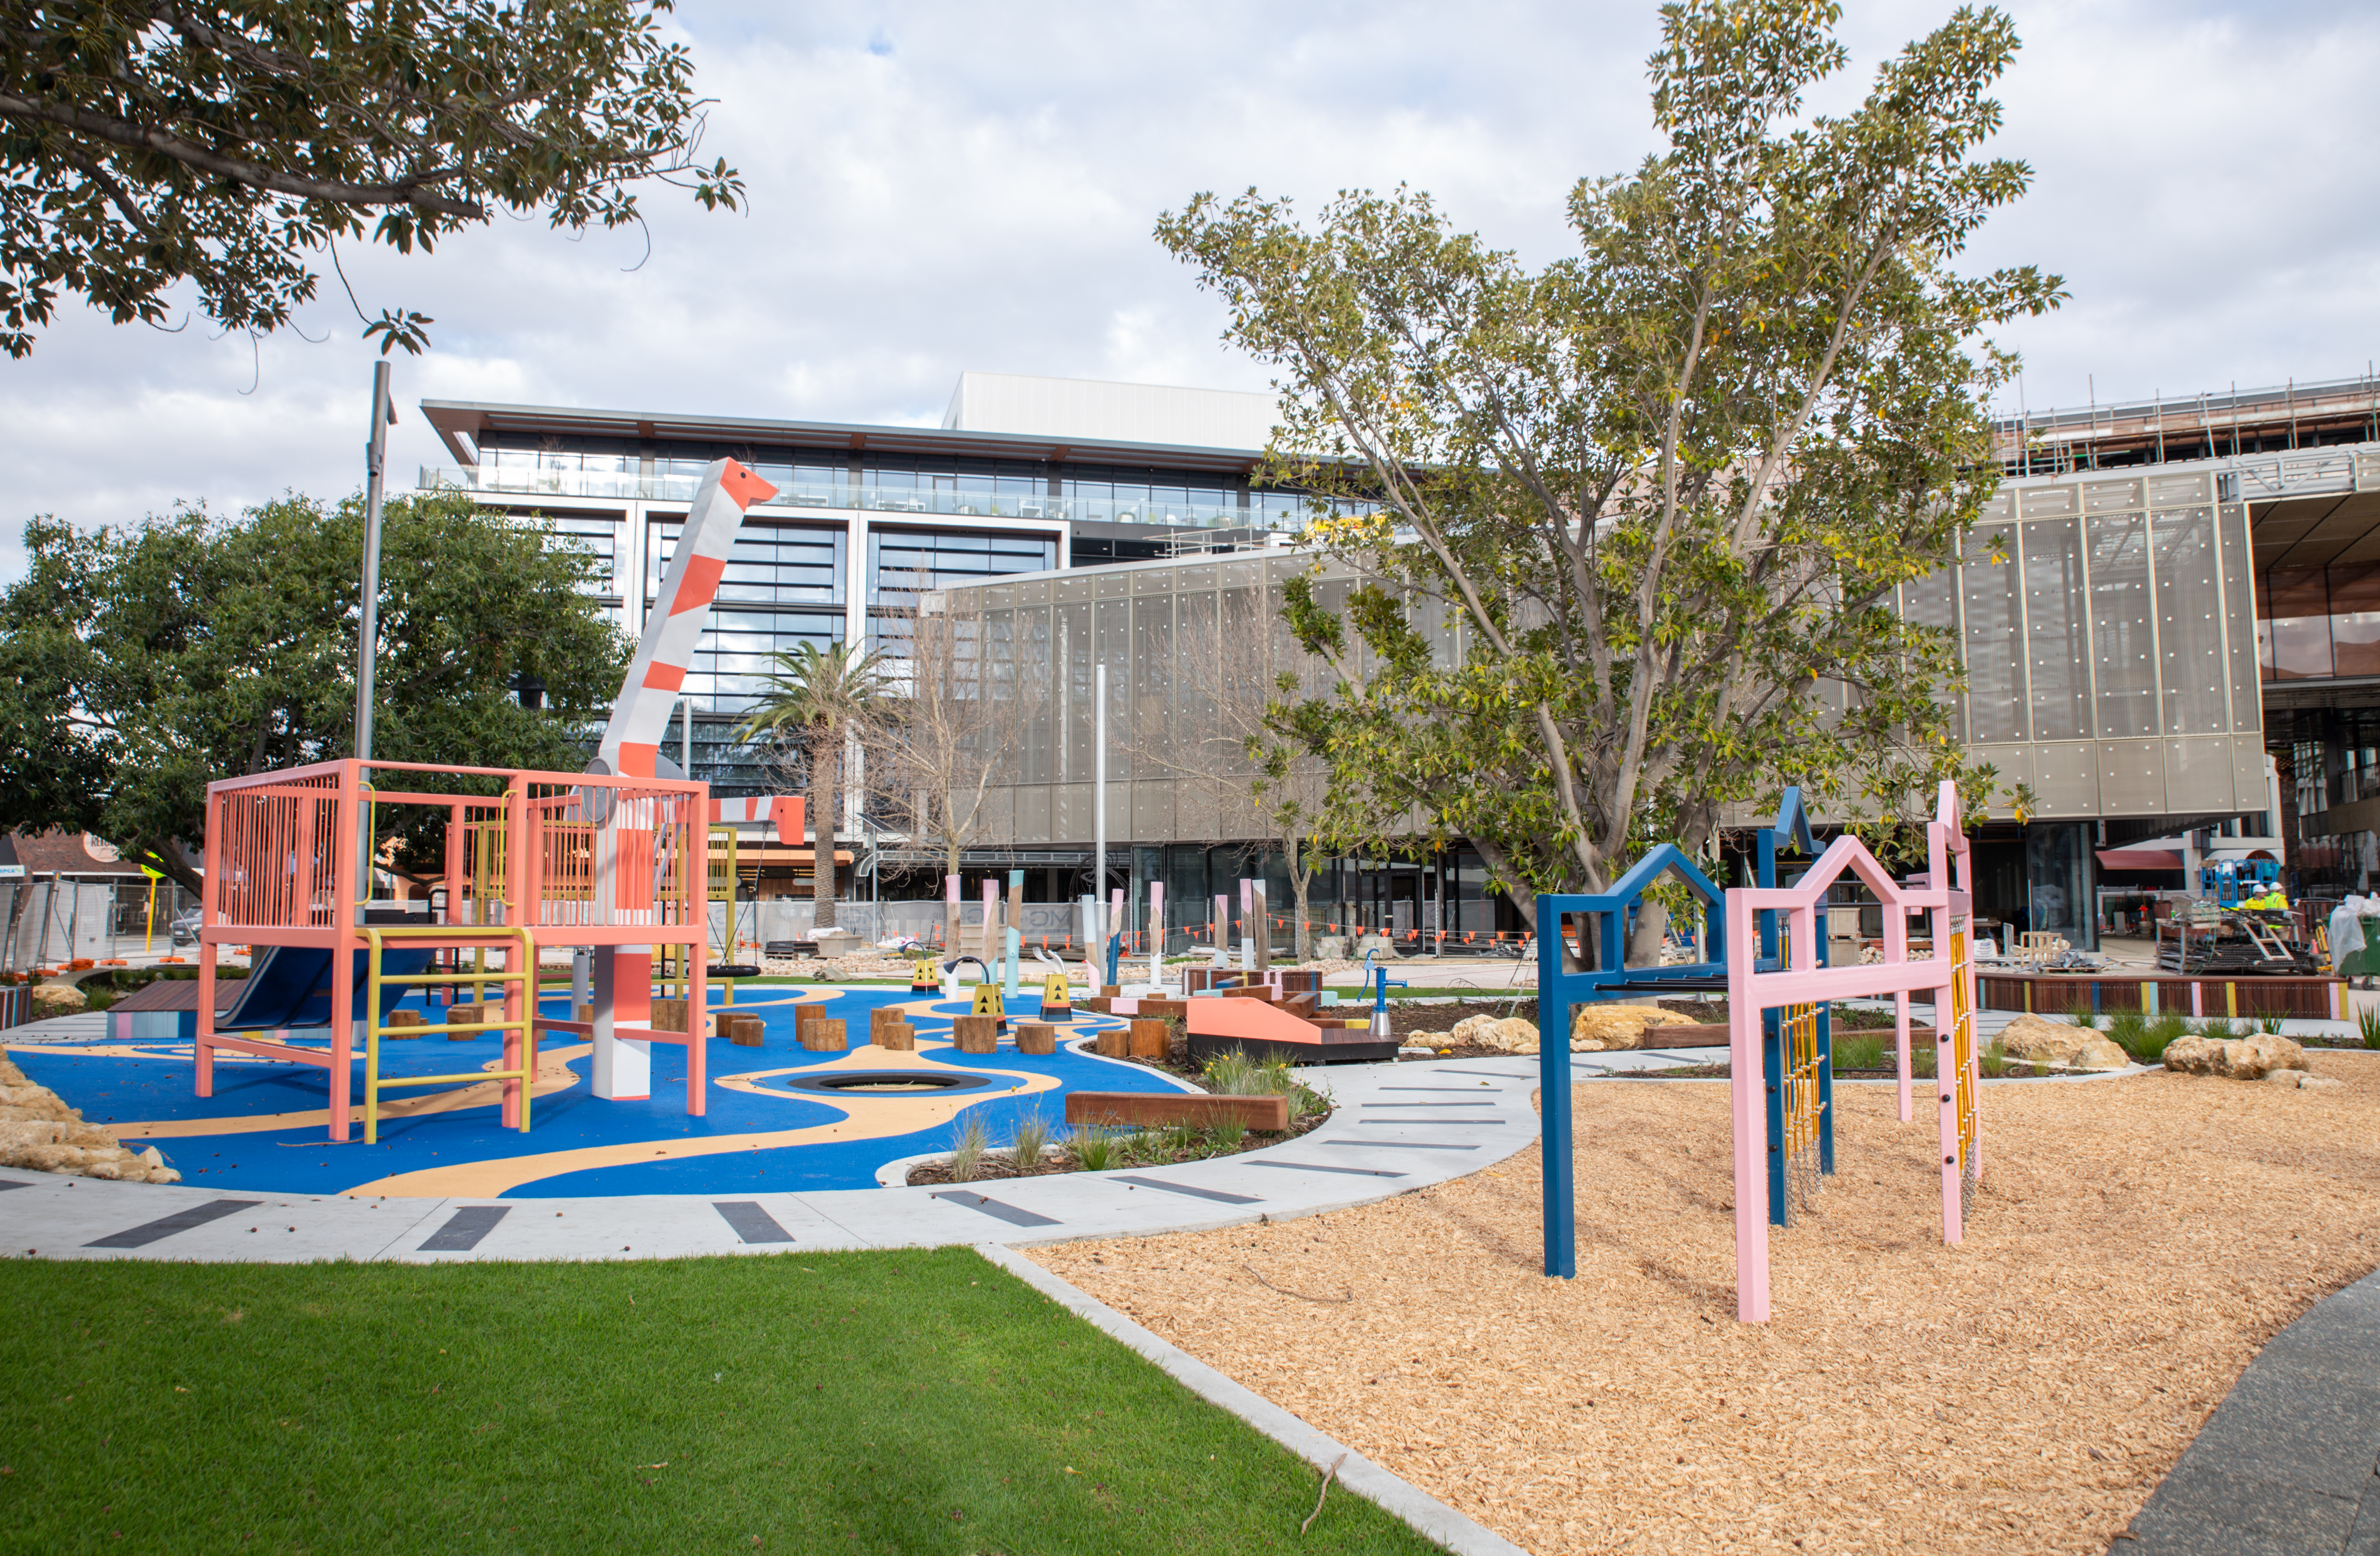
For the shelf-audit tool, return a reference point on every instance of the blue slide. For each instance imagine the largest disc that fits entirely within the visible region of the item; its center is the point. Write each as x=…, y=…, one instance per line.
x=289, y=987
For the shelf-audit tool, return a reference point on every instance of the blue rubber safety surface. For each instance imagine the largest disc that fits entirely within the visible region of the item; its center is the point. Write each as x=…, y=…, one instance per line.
x=115, y=1082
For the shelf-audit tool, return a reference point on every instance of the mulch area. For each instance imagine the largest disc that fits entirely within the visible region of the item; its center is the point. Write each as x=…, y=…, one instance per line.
x=2134, y=1243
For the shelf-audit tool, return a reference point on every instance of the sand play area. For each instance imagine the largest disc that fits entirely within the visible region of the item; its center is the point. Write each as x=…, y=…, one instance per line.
x=2136, y=1241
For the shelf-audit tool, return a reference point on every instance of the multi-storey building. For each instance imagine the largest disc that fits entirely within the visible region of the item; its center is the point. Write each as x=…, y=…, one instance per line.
x=2179, y=596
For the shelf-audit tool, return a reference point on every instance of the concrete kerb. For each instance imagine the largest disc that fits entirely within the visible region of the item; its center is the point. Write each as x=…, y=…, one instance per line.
x=1359, y=1475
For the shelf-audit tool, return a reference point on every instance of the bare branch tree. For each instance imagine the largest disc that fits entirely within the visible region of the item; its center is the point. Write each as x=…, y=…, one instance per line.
x=964, y=689
x=1237, y=778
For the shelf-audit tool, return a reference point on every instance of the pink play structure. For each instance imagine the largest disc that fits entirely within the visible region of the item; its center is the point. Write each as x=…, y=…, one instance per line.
x=1942, y=894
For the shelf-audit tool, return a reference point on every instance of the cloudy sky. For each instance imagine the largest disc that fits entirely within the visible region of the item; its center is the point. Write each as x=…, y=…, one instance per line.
x=938, y=187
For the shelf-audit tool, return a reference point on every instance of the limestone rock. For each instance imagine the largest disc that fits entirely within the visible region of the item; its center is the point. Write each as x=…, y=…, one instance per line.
x=2060, y=1043
x=40, y=1132
x=1380, y=945
x=58, y=998
x=1597, y=1028
x=1514, y=1035
x=1472, y=1029
x=2239, y=1058
x=1329, y=948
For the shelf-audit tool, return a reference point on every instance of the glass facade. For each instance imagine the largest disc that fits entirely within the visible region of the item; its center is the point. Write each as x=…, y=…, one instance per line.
x=2315, y=622
x=2103, y=623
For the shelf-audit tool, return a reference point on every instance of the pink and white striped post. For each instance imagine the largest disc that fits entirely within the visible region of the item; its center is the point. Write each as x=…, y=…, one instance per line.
x=621, y=1070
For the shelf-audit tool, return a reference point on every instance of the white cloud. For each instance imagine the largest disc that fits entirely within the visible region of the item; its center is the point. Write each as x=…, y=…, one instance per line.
x=938, y=186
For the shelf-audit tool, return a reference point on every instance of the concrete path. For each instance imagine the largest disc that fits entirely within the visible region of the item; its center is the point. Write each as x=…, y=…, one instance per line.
x=2290, y=1464
x=1398, y=1127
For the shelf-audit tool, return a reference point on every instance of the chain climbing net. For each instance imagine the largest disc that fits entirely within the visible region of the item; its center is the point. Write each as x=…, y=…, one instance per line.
x=1962, y=1060
x=1800, y=1055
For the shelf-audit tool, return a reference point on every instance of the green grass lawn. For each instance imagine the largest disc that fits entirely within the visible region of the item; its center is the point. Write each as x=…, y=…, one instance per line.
x=864, y=1402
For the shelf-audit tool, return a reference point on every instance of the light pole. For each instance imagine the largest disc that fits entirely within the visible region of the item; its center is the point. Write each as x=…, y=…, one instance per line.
x=383, y=416
x=1100, y=933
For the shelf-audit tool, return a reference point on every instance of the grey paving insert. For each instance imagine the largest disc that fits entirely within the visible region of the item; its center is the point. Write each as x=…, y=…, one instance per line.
x=750, y=1223
x=464, y=1229
x=1320, y=1167
x=1215, y=1194
x=180, y=1220
x=1013, y=1214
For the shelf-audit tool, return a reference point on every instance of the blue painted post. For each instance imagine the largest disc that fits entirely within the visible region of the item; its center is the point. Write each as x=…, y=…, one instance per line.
x=1553, y=1093
x=1826, y=1072
x=1772, y=1071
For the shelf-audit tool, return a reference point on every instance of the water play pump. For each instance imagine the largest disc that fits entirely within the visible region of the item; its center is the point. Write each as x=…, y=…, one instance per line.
x=1380, y=996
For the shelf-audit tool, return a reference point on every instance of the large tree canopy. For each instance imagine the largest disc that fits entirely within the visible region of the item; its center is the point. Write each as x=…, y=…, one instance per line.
x=143, y=141
x=1642, y=513
x=138, y=664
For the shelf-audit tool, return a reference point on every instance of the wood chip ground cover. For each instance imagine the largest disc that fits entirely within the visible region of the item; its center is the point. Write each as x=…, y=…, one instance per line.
x=2135, y=1241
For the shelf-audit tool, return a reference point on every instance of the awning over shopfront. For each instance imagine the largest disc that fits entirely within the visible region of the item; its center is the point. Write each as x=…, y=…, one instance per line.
x=2140, y=858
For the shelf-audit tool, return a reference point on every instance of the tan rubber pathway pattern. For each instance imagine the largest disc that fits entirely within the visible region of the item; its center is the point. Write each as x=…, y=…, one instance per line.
x=2135, y=1241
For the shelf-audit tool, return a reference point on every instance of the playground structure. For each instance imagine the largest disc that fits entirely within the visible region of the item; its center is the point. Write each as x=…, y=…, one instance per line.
x=1780, y=1059
x=616, y=860
x=611, y=864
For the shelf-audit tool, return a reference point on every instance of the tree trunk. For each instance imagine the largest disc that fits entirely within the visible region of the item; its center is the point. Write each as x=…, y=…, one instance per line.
x=826, y=751
x=1644, y=939
x=1301, y=878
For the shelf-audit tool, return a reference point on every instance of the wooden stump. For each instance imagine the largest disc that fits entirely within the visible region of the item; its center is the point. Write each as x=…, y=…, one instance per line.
x=1151, y=1040
x=398, y=1020
x=896, y=1036
x=668, y=1015
x=1037, y=1037
x=1110, y=991
x=976, y=1034
x=744, y=1031
x=822, y=1036
x=470, y=1018
x=582, y=1013
x=880, y=1020
x=1113, y=1043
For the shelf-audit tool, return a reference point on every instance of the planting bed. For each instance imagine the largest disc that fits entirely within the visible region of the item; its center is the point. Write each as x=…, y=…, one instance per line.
x=2135, y=1242
x=1148, y=1148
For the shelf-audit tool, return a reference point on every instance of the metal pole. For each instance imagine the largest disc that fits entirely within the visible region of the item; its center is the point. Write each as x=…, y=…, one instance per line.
x=367, y=630
x=1099, y=796
x=384, y=414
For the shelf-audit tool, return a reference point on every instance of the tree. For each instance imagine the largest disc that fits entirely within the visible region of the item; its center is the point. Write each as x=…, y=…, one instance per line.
x=821, y=698
x=147, y=142
x=1231, y=665
x=138, y=664
x=950, y=734
x=1639, y=516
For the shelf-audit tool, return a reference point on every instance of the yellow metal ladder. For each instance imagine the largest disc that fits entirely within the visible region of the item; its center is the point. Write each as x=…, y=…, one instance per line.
x=523, y=972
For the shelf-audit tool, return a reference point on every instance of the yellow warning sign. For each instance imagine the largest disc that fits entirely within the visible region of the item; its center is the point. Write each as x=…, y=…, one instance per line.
x=1055, y=994
x=988, y=1001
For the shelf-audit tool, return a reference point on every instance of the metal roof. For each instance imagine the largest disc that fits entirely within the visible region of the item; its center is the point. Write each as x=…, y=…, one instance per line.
x=457, y=419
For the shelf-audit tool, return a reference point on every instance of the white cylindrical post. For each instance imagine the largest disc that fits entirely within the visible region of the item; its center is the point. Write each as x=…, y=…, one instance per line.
x=1099, y=782
x=1157, y=933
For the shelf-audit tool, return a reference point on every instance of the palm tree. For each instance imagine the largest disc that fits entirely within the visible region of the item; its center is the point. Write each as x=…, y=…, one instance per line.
x=816, y=695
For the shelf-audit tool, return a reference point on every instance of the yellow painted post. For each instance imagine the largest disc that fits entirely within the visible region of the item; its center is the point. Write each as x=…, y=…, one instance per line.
x=2231, y=1000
